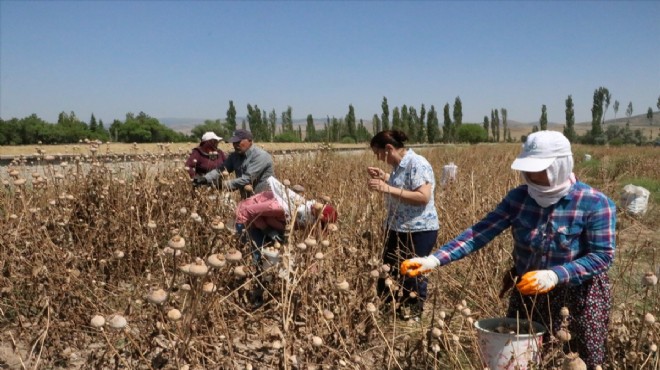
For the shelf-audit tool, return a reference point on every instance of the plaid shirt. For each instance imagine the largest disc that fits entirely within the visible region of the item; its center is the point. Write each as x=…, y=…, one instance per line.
x=575, y=238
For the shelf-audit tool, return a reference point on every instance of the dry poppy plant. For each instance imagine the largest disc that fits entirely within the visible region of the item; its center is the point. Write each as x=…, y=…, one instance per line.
x=110, y=263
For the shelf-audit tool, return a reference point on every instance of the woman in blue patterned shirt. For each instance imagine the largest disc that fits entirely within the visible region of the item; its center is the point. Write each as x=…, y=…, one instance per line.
x=412, y=223
x=564, y=241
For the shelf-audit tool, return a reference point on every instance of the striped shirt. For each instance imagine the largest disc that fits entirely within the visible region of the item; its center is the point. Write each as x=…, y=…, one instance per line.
x=575, y=238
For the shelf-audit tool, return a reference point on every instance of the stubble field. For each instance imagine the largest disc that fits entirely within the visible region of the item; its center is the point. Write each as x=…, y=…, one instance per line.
x=91, y=241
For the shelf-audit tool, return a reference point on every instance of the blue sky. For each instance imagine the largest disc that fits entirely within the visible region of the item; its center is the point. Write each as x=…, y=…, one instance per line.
x=188, y=59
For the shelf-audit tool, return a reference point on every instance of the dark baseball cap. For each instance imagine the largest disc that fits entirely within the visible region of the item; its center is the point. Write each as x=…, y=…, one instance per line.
x=239, y=135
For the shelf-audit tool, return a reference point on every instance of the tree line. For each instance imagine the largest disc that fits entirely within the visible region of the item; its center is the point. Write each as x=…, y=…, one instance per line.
x=421, y=125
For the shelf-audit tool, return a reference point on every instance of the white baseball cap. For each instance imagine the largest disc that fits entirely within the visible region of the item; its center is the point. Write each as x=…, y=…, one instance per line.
x=541, y=149
x=210, y=136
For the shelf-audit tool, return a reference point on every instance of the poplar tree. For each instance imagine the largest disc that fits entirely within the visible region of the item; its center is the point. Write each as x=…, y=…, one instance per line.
x=423, y=133
x=396, y=119
x=486, y=126
x=310, y=130
x=629, y=111
x=496, y=134
x=432, y=128
x=505, y=126
x=543, y=121
x=569, y=129
x=447, y=125
x=350, y=122
x=615, y=107
x=272, y=122
x=230, y=122
x=92, y=123
x=405, y=121
x=601, y=98
x=385, y=117
x=375, y=124
x=458, y=112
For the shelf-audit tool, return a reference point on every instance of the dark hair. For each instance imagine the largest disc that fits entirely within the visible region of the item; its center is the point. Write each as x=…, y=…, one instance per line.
x=392, y=137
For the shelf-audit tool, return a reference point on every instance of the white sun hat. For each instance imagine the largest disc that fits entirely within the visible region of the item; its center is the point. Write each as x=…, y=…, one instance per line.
x=541, y=149
x=210, y=136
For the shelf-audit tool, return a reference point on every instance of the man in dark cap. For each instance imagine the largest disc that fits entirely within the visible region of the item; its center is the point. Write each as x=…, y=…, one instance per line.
x=252, y=165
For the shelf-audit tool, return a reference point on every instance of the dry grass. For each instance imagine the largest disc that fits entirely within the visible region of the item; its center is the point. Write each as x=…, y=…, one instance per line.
x=90, y=239
x=146, y=148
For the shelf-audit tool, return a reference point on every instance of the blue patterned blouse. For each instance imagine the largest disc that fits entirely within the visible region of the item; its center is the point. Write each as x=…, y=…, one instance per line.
x=412, y=172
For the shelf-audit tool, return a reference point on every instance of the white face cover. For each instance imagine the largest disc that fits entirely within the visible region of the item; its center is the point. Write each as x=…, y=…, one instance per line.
x=560, y=176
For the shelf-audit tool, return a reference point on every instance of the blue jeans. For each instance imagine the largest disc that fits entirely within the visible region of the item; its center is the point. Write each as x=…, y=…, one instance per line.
x=400, y=246
x=257, y=239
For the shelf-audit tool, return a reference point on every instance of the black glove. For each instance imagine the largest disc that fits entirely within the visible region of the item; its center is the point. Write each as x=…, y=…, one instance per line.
x=199, y=181
x=273, y=234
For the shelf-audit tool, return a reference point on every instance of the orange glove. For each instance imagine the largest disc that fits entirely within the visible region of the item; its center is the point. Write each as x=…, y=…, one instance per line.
x=419, y=265
x=537, y=282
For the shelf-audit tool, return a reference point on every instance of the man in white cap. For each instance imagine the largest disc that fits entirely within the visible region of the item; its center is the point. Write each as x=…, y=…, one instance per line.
x=205, y=157
x=564, y=241
x=252, y=165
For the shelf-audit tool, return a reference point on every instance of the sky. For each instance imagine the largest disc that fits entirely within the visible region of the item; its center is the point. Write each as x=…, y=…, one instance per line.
x=188, y=59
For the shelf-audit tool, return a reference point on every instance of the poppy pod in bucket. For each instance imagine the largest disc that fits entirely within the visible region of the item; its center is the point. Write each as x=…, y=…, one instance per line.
x=508, y=344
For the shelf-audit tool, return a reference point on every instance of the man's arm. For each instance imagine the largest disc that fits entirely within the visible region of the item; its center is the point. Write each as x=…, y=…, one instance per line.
x=255, y=166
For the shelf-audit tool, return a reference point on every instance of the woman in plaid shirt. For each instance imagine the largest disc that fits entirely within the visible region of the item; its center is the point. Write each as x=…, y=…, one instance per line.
x=564, y=242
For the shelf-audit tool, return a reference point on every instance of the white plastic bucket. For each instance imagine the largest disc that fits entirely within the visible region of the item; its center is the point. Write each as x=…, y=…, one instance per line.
x=513, y=350
x=448, y=173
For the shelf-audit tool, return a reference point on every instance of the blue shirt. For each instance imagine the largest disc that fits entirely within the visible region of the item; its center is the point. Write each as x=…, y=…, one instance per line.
x=575, y=238
x=412, y=172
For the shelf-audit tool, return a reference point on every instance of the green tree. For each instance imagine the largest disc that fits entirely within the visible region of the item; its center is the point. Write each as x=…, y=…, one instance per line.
x=92, y=123
x=486, y=125
x=385, y=117
x=350, y=122
x=447, y=125
x=607, y=97
x=543, y=121
x=458, y=112
x=422, y=132
x=404, y=124
x=569, y=129
x=230, y=122
x=287, y=120
x=505, y=125
x=362, y=134
x=649, y=116
x=601, y=98
x=375, y=124
x=472, y=133
x=272, y=122
x=396, y=119
x=310, y=129
x=432, y=126
x=209, y=125
x=629, y=111
x=257, y=126
x=615, y=107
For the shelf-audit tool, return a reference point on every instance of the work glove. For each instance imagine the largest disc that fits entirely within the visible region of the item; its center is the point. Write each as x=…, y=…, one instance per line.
x=199, y=181
x=419, y=265
x=537, y=282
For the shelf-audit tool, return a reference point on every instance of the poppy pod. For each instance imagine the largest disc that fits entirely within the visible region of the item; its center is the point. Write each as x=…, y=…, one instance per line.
x=97, y=321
